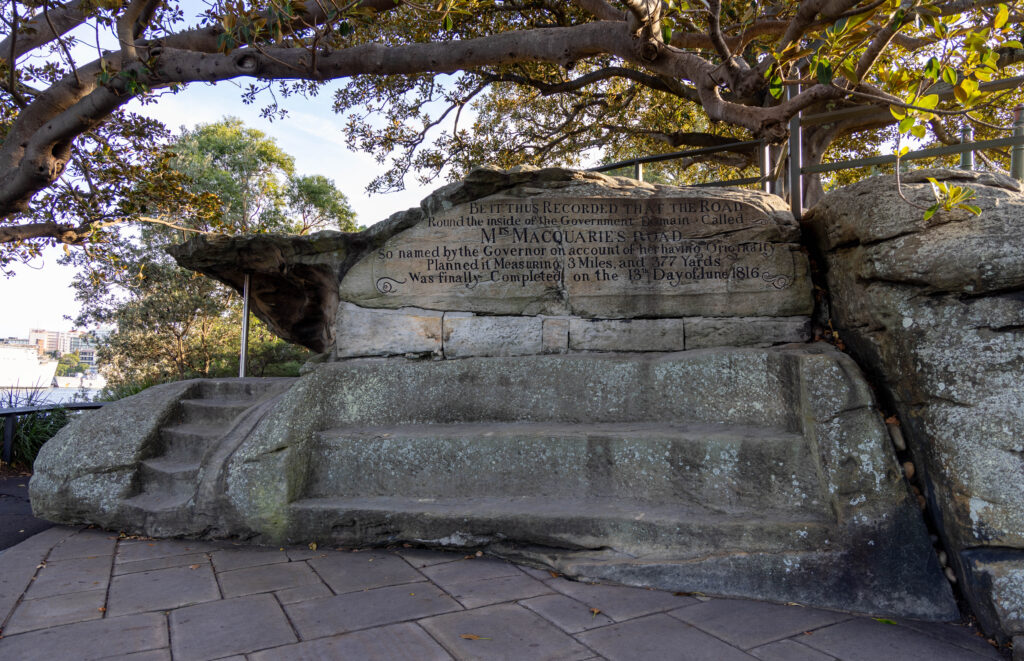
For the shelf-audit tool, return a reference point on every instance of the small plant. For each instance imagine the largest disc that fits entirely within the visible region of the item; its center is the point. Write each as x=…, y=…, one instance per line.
x=33, y=429
x=115, y=391
x=948, y=197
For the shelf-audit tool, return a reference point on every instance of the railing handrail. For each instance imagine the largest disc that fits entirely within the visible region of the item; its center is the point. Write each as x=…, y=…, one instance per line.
x=69, y=406
x=10, y=418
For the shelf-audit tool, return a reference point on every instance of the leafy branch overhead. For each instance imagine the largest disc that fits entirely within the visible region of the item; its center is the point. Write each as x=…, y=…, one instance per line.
x=430, y=86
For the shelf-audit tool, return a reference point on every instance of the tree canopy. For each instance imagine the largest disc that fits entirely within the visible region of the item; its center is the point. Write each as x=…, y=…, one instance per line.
x=172, y=323
x=548, y=80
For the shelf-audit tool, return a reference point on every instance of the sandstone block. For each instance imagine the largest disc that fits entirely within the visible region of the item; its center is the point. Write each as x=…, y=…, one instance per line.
x=626, y=335
x=368, y=332
x=473, y=335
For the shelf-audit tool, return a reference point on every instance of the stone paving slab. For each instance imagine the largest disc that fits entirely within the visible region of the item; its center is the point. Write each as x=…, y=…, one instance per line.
x=71, y=593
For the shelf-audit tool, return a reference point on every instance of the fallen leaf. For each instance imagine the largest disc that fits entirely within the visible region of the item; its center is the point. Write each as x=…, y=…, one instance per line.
x=472, y=636
x=594, y=612
x=892, y=420
x=406, y=546
x=554, y=574
x=468, y=557
x=102, y=609
x=312, y=546
x=193, y=566
x=883, y=620
x=479, y=554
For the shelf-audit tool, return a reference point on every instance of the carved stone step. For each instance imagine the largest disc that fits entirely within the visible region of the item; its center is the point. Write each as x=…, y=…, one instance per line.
x=250, y=388
x=156, y=502
x=213, y=411
x=190, y=441
x=169, y=475
x=726, y=467
x=556, y=523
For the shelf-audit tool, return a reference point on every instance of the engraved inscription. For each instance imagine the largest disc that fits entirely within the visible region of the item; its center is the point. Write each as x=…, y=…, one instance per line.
x=646, y=244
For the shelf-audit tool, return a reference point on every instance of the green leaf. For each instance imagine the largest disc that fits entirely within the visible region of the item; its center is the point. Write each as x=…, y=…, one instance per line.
x=918, y=131
x=824, y=73
x=932, y=69
x=884, y=620
x=928, y=102
x=906, y=123
x=666, y=33
x=448, y=23
x=903, y=150
x=897, y=112
x=1012, y=44
x=775, y=86
x=1002, y=16
x=976, y=210
x=928, y=214
x=949, y=75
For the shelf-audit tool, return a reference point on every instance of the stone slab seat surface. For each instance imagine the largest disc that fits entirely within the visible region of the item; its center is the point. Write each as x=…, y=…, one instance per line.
x=735, y=467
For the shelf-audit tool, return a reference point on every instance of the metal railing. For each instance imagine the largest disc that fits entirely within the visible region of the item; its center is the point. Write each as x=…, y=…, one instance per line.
x=797, y=171
x=10, y=417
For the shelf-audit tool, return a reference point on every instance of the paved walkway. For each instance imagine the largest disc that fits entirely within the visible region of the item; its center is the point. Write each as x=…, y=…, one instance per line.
x=69, y=593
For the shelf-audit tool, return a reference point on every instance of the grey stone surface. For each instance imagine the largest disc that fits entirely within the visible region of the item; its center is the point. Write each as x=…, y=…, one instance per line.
x=555, y=335
x=619, y=602
x=362, y=571
x=397, y=641
x=567, y=614
x=239, y=558
x=789, y=650
x=86, y=544
x=74, y=575
x=474, y=594
x=932, y=309
x=505, y=631
x=549, y=626
x=869, y=640
x=160, y=563
x=705, y=332
x=704, y=470
x=654, y=637
x=627, y=334
x=475, y=335
x=232, y=626
x=178, y=586
x=266, y=578
x=19, y=568
x=368, y=608
x=96, y=639
x=56, y=610
x=594, y=247
x=747, y=624
x=366, y=332
x=130, y=551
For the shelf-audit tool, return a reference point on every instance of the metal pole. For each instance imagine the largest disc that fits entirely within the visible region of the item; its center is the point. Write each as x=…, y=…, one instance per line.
x=245, y=328
x=1017, y=154
x=796, y=188
x=764, y=155
x=10, y=422
x=638, y=171
x=967, y=157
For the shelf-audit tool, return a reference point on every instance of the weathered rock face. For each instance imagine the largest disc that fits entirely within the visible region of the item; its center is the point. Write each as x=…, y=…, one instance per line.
x=532, y=248
x=936, y=310
x=588, y=373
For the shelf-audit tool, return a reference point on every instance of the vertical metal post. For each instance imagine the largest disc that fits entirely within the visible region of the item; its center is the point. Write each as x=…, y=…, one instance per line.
x=796, y=188
x=764, y=156
x=967, y=157
x=1017, y=154
x=638, y=171
x=244, y=353
x=10, y=422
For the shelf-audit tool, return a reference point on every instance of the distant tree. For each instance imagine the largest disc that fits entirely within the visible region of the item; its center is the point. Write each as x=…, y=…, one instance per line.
x=71, y=363
x=172, y=323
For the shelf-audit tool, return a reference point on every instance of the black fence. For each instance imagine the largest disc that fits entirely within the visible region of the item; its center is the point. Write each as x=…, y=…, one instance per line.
x=10, y=417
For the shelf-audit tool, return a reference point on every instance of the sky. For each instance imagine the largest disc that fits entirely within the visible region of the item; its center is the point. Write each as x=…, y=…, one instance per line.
x=39, y=294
